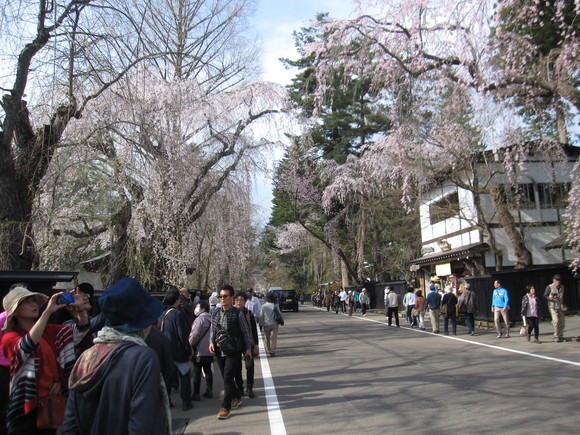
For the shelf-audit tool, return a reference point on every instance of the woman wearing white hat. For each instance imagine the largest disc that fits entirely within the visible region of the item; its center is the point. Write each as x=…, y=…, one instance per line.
x=41, y=355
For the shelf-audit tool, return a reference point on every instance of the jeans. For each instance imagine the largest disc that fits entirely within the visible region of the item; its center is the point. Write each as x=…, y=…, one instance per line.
x=410, y=318
x=470, y=322
x=453, y=324
x=229, y=366
x=364, y=308
x=422, y=319
x=498, y=314
x=393, y=311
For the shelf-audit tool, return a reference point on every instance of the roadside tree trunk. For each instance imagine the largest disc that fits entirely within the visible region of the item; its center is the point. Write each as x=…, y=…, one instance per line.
x=506, y=220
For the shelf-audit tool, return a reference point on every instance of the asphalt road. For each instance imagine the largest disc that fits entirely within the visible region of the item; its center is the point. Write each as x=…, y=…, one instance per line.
x=343, y=375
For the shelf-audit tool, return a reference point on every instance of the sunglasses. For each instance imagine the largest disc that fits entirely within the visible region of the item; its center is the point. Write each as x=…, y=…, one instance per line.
x=224, y=296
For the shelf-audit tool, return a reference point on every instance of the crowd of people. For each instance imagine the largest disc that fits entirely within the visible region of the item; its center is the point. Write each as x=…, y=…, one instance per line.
x=114, y=372
x=447, y=304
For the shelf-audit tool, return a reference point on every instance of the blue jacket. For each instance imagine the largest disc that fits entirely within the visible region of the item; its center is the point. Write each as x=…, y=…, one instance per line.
x=500, y=298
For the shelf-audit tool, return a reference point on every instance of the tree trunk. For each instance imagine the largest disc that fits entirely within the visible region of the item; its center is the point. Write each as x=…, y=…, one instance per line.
x=16, y=248
x=361, y=237
x=20, y=177
x=119, y=237
x=483, y=222
x=508, y=223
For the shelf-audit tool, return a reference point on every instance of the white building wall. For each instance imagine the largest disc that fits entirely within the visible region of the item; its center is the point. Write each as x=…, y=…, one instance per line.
x=534, y=236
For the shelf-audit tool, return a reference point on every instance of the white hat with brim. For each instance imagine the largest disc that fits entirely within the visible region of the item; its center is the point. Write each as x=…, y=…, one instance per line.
x=13, y=299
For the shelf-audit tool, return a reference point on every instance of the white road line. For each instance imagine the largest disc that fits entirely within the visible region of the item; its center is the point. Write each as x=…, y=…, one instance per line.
x=491, y=346
x=274, y=414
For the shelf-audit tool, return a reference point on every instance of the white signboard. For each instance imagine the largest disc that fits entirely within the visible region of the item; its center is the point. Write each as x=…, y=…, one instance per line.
x=443, y=269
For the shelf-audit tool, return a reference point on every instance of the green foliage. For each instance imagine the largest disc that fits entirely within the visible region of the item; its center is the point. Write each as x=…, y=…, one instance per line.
x=351, y=118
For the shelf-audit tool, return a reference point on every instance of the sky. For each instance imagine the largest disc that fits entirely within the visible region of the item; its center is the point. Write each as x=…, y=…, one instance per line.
x=274, y=21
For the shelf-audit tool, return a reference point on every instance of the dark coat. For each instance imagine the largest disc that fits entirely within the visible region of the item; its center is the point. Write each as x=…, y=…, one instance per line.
x=122, y=398
x=173, y=324
x=467, y=302
x=451, y=300
x=252, y=324
x=526, y=302
x=157, y=341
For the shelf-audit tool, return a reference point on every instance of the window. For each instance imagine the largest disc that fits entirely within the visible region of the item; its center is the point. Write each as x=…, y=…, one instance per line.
x=553, y=195
x=445, y=208
x=550, y=195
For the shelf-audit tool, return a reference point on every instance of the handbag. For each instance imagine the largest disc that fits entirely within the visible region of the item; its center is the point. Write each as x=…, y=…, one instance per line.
x=414, y=312
x=524, y=330
x=224, y=341
x=278, y=316
x=50, y=412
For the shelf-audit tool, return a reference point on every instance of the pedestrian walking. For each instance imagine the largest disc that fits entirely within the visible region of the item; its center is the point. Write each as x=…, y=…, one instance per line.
x=409, y=304
x=449, y=300
x=202, y=357
x=350, y=301
x=500, y=306
x=554, y=294
x=420, y=307
x=175, y=326
x=466, y=306
x=229, y=324
x=365, y=301
x=392, y=306
x=272, y=321
x=532, y=312
x=433, y=306
x=241, y=300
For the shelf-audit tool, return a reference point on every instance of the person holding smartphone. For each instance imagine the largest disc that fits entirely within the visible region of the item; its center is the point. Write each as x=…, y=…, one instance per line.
x=554, y=294
x=40, y=354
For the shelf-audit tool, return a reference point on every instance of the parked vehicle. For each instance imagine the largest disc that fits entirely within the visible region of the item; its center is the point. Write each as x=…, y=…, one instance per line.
x=287, y=299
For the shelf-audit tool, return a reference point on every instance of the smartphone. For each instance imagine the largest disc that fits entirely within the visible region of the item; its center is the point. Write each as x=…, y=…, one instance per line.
x=65, y=298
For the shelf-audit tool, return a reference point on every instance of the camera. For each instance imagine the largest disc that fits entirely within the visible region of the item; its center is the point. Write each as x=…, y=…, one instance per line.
x=65, y=298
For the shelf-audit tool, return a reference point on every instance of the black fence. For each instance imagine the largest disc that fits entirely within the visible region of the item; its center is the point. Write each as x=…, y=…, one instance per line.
x=515, y=282
x=376, y=291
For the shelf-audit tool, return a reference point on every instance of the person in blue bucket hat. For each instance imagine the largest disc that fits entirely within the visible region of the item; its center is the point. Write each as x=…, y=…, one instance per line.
x=116, y=386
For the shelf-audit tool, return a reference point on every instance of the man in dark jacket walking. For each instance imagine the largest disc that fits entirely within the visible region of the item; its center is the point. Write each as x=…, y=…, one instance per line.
x=174, y=325
x=229, y=319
